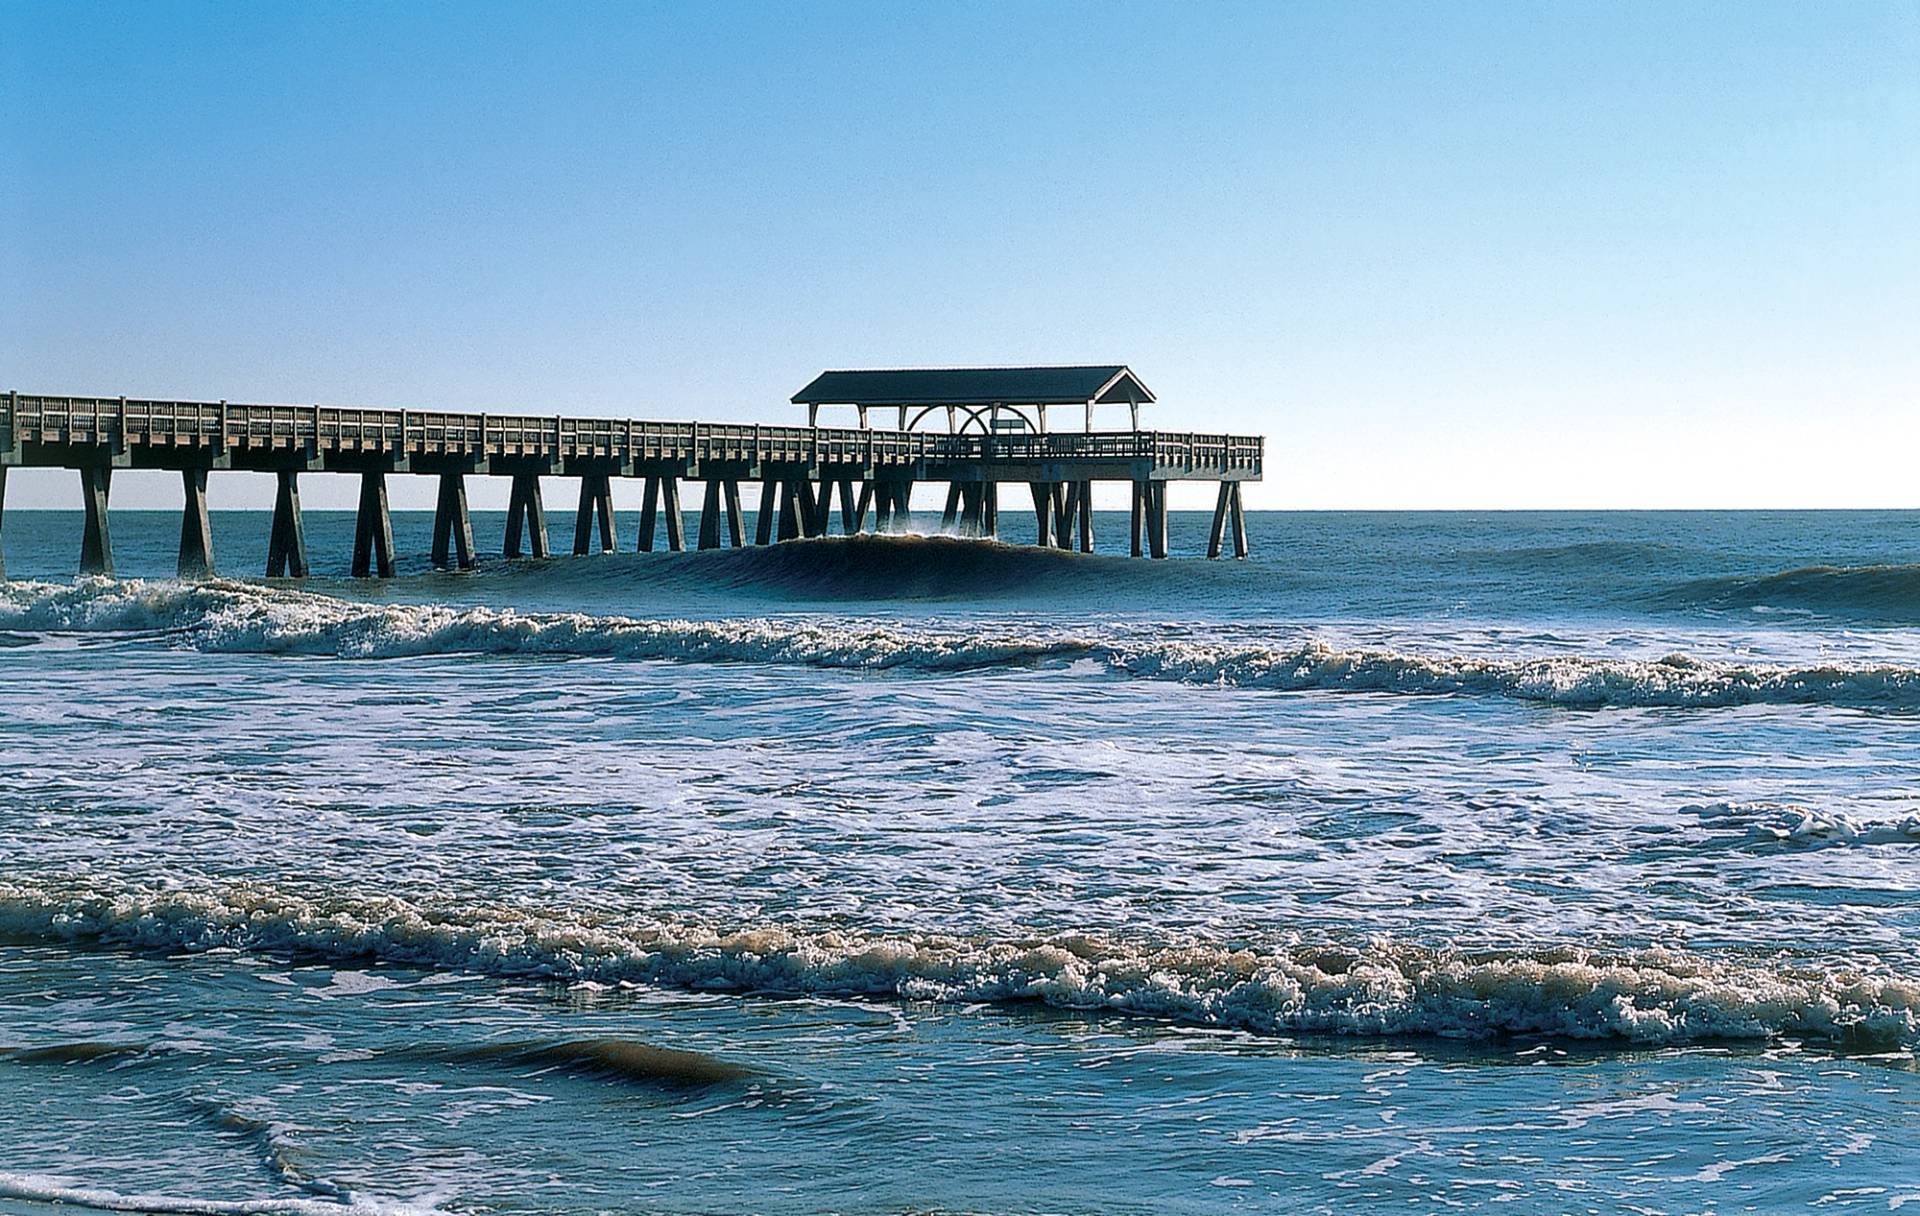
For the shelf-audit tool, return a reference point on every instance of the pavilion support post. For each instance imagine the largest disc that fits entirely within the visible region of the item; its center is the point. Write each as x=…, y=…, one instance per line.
x=96, y=542
x=1157, y=517
x=287, y=542
x=736, y=526
x=676, y=522
x=1138, y=517
x=1042, y=513
x=452, y=525
x=1221, y=508
x=649, y=513
x=526, y=515
x=849, y=521
x=710, y=517
x=1239, y=524
x=764, y=519
x=951, y=512
x=373, y=528
x=1084, y=501
x=196, y=527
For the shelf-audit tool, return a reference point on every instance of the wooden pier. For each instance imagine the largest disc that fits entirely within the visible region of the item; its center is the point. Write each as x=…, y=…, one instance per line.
x=796, y=472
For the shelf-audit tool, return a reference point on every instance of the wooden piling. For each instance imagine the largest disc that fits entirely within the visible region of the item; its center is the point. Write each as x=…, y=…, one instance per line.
x=96, y=542
x=1221, y=508
x=763, y=523
x=287, y=542
x=789, y=511
x=850, y=520
x=1042, y=513
x=709, y=517
x=649, y=512
x=676, y=522
x=1239, y=524
x=951, y=512
x=860, y=510
x=452, y=525
x=1085, y=505
x=3, y=521
x=373, y=529
x=526, y=514
x=196, y=527
x=1157, y=517
x=1138, y=517
x=736, y=526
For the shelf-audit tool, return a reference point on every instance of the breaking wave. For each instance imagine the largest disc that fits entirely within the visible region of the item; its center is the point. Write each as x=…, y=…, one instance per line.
x=249, y=618
x=1382, y=988
x=59, y=1189
x=1889, y=594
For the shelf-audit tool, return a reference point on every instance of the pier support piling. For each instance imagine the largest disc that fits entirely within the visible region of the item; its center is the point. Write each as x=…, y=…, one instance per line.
x=709, y=537
x=1137, y=517
x=96, y=542
x=3, y=521
x=789, y=511
x=1083, y=501
x=764, y=518
x=951, y=512
x=1221, y=508
x=287, y=541
x=596, y=503
x=1042, y=513
x=850, y=519
x=373, y=529
x=1239, y=524
x=736, y=525
x=452, y=525
x=196, y=527
x=649, y=513
x=1157, y=518
x=526, y=516
x=860, y=509
x=676, y=522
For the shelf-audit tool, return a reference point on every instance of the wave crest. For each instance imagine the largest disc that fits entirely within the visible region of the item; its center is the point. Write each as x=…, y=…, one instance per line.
x=249, y=618
x=1383, y=988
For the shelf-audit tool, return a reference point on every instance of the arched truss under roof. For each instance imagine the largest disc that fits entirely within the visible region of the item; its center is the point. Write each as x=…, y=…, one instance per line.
x=982, y=394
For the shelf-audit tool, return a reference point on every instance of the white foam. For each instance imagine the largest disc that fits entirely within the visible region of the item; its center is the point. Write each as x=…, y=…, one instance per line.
x=250, y=618
x=1380, y=988
x=1794, y=824
x=48, y=1188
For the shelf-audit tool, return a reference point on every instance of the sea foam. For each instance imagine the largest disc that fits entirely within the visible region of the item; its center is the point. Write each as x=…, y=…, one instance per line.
x=235, y=617
x=1652, y=996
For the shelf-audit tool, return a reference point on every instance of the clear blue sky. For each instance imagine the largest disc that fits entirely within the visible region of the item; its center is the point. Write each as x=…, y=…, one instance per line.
x=1540, y=254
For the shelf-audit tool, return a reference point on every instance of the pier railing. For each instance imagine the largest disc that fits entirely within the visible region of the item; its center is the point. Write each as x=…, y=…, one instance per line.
x=122, y=423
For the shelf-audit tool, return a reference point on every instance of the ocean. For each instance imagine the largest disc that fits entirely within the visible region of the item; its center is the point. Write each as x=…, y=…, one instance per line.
x=1527, y=862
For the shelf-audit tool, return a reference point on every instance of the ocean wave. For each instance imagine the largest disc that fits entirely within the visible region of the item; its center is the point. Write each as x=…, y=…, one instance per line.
x=60, y=1189
x=1888, y=594
x=1793, y=825
x=1382, y=988
x=233, y=617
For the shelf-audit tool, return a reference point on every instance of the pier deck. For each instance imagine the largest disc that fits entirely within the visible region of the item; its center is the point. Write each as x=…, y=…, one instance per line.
x=798, y=469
